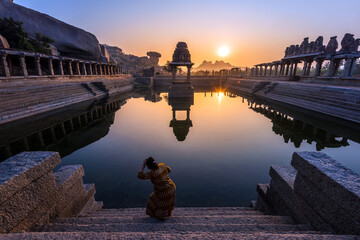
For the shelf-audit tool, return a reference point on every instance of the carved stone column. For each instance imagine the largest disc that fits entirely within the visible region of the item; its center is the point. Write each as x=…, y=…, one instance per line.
x=287, y=69
x=4, y=64
x=309, y=68
x=70, y=68
x=101, y=69
x=304, y=68
x=261, y=71
x=290, y=72
x=295, y=69
x=61, y=68
x=51, y=67
x=276, y=69
x=349, y=67
x=318, y=67
x=334, y=65
x=23, y=65
x=83, y=66
x=77, y=67
x=90, y=70
x=265, y=70
x=38, y=65
x=270, y=70
x=188, y=73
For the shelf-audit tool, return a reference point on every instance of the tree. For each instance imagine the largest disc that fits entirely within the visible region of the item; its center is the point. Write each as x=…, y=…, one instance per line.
x=16, y=36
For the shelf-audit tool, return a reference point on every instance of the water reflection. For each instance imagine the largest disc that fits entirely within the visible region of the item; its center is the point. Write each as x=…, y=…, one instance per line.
x=63, y=132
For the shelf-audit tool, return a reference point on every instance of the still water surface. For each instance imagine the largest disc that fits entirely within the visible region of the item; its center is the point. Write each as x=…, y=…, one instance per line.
x=227, y=151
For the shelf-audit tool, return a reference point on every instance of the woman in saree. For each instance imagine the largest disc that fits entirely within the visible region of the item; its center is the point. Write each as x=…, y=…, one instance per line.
x=161, y=201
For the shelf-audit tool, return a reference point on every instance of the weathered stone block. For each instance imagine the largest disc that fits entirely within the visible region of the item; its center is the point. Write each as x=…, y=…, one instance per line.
x=69, y=199
x=16, y=208
x=67, y=176
x=282, y=182
x=340, y=220
x=336, y=182
x=262, y=202
x=22, y=169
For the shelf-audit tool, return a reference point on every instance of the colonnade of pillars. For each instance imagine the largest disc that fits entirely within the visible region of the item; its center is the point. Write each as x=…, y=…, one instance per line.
x=15, y=63
x=51, y=135
x=289, y=67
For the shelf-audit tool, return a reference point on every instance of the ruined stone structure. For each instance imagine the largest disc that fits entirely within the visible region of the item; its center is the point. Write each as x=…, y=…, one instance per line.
x=316, y=191
x=154, y=57
x=309, y=52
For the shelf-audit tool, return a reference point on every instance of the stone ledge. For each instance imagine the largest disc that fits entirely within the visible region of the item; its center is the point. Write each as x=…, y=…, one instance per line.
x=67, y=176
x=337, y=182
x=22, y=169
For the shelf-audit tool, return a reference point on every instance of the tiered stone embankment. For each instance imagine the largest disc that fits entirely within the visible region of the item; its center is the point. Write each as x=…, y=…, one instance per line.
x=21, y=98
x=32, y=194
x=316, y=191
x=337, y=101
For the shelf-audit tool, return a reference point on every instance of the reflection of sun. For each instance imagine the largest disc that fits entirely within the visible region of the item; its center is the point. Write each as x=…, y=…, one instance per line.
x=223, y=51
x=220, y=96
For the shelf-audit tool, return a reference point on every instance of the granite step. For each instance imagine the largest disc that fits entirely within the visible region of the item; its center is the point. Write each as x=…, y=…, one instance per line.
x=171, y=235
x=175, y=227
x=208, y=219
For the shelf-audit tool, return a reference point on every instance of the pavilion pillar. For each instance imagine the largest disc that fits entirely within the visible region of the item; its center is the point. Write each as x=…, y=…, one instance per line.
x=90, y=69
x=38, y=66
x=23, y=66
x=188, y=73
x=51, y=67
x=291, y=69
x=265, y=70
x=173, y=68
x=349, y=67
x=334, y=65
x=276, y=69
x=100, y=72
x=287, y=69
x=309, y=68
x=4, y=64
x=318, y=67
x=61, y=68
x=270, y=70
x=83, y=66
x=295, y=69
x=261, y=71
x=70, y=68
x=77, y=67
x=304, y=68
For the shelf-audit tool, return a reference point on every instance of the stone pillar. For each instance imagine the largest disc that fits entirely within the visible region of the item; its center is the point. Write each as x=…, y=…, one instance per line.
x=276, y=69
x=51, y=67
x=23, y=66
x=77, y=68
x=332, y=68
x=4, y=64
x=38, y=65
x=270, y=70
x=188, y=73
x=61, y=68
x=304, y=68
x=70, y=68
x=101, y=70
x=291, y=69
x=318, y=67
x=265, y=70
x=83, y=66
x=90, y=69
x=173, y=68
x=287, y=69
x=261, y=70
x=349, y=67
x=295, y=69
x=309, y=68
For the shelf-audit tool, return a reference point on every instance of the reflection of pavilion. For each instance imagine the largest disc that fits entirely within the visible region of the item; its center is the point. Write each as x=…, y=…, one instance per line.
x=181, y=127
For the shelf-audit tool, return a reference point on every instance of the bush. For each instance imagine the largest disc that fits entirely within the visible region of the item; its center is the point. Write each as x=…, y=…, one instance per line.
x=16, y=36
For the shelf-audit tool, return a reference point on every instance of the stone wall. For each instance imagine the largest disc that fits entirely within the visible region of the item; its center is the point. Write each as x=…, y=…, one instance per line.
x=32, y=194
x=316, y=190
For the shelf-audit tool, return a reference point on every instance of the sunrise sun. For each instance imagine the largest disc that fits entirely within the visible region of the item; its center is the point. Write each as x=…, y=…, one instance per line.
x=223, y=51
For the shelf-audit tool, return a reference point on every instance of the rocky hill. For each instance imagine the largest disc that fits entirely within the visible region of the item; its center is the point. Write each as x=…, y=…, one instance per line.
x=131, y=62
x=217, y=66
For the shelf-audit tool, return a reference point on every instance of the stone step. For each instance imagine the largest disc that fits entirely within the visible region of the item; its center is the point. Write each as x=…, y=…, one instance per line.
x=336, y=112
x=171, y=235
x=208, y=219
x=175, y=227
